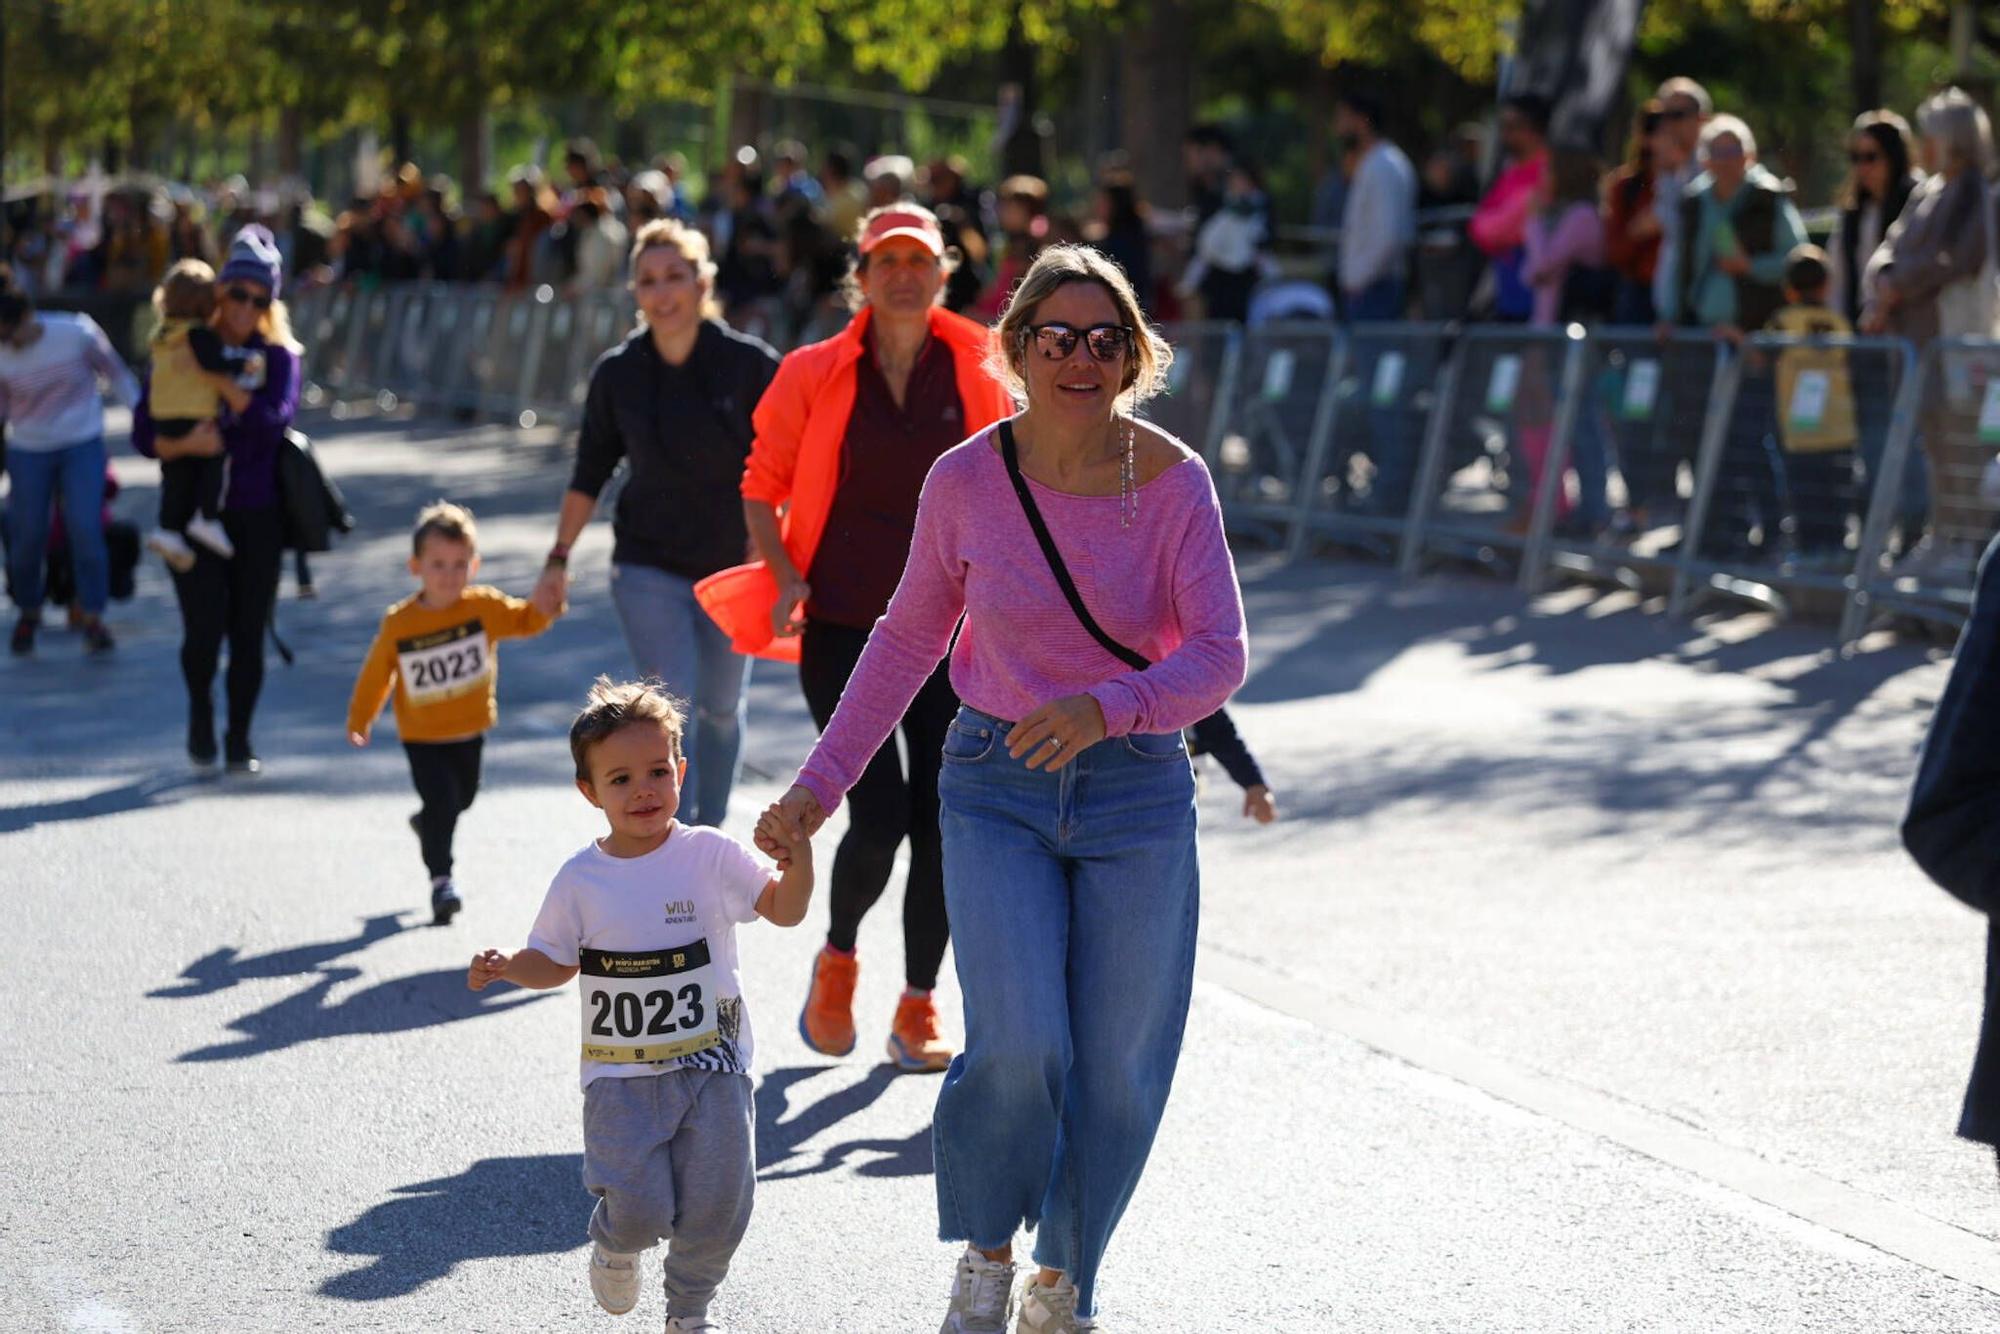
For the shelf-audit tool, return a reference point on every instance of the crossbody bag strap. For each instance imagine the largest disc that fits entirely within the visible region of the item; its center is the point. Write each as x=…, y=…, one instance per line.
x=1137, y=661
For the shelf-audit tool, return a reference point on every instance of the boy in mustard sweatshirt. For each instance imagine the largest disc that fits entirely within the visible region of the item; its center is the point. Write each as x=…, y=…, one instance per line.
x=436, y=652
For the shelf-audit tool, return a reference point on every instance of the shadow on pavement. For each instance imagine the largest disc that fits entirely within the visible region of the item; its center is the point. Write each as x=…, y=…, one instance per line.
x=497, y=1207
x=780, y=1141
x=225, y=968
x=400, y=1005
x=136, y=794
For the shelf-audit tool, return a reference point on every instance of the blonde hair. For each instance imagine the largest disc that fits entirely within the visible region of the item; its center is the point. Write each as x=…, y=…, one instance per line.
x=1057, y=267
x=444, y=519
x=186, y=292
x=672, y=234
x=850, y=282
x=613, y=706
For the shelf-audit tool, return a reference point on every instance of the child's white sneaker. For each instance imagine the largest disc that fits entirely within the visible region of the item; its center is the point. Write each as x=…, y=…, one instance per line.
x=982, y=1296
x=614, y=1279
x=173, y=549
x=209, y=533
x=1051, y=1310
x=693, y=1324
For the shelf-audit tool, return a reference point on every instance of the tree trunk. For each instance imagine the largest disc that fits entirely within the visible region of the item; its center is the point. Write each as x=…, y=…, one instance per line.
x=1157, y=90
x=1021, y=148
x=474, y=134
x=399, y=138
x=291, y=143
x=1864, y=45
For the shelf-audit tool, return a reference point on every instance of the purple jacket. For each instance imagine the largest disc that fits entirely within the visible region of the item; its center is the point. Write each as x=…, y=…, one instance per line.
x=250, y=438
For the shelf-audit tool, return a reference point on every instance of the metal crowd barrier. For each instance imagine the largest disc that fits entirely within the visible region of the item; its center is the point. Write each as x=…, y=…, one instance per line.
x=1360, y=472
x=1952, y=432
x=1281, y=406
x=519, y=356
x=1780, y=472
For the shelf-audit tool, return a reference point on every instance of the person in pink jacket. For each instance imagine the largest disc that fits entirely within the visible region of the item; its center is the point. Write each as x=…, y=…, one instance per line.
x=1500, y=225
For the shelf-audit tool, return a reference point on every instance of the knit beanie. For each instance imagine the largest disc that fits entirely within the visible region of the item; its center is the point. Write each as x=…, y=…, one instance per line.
x=254, y=255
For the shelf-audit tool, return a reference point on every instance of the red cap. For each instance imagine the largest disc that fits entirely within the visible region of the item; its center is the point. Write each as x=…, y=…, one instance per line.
x=920, y=227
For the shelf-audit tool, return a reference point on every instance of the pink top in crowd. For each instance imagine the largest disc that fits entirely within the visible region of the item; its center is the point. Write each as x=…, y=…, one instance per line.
x=1165, y=587
x=1576, y=239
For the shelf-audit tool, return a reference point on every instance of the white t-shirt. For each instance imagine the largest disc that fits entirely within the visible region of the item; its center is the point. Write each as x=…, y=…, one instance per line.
x=655, y=937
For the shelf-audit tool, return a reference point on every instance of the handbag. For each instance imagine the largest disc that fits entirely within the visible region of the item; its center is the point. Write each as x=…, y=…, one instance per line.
x=1130, y=657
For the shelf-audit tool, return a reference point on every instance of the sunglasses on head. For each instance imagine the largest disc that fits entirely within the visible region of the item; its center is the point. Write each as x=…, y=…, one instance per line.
x=245, y=297
x=1106, y=342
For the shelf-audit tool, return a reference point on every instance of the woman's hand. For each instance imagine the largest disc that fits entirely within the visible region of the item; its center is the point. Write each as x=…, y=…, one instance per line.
x=1259, y=804
x=1736, y=264
x=551, y=593
x=203, y=442
x=796, y=815
x=1052, y=735
x=788, y=617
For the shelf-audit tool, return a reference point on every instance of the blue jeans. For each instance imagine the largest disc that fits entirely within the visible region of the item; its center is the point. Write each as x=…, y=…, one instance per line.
x=1380, y=301
x=1073, y=897
x=75, y=474
x=673, y=640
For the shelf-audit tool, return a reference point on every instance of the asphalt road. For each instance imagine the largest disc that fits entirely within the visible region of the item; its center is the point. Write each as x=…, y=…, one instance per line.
x=1582, y=987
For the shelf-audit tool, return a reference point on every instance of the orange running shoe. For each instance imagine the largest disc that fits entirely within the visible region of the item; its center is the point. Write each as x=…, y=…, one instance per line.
x=913, y=1039
x=827, y=1022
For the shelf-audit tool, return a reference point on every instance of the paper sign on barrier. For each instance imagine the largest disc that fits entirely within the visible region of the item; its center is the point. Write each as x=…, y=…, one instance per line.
x=1388, y=384
x=1809, y=396
x=1503, y=384
x=1989, y=414
x=1642, y=389
x=1278, y=373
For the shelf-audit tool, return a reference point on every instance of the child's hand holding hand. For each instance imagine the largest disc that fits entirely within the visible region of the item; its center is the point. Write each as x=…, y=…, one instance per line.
x=1259, y=804
x=486, y=968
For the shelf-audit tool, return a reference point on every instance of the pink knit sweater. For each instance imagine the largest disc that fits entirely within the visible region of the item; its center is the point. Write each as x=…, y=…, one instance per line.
x=1164, y=587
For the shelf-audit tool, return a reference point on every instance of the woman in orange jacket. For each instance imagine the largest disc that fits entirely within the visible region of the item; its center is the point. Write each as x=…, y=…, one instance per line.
x=845, y=436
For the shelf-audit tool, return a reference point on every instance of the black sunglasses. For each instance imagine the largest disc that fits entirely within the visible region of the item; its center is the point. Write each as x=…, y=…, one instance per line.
x=1862, y=159
x=244, y=296
x=1677, y=113
x=1106, y=342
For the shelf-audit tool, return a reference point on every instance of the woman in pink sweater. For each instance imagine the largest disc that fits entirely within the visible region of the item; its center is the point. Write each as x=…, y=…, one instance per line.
x=1068, y=813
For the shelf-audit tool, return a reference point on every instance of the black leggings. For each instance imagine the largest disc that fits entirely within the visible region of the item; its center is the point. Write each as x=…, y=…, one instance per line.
x=447, y=777
x=229, y=599
x=883, y=809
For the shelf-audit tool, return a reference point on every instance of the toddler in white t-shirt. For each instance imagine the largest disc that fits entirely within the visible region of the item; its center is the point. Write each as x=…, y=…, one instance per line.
x=648, y=915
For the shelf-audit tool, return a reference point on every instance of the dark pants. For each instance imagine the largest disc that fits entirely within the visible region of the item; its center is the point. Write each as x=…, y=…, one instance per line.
x=446, y=774
x=884, y=808
x=189, y=487
x=229, y=599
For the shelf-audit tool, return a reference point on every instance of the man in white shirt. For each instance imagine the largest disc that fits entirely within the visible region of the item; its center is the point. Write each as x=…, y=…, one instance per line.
x=1378, y=227
x=52, y=409
x=1379, y=223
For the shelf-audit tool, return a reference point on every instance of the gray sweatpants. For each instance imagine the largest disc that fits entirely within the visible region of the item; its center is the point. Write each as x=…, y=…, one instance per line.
x=669, y=1157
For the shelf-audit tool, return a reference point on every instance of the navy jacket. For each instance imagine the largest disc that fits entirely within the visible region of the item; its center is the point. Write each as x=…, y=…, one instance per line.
x=1953, y=824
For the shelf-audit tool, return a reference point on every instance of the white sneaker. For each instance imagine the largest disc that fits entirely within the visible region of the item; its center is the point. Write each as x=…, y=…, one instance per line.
x=1046, y=1310
x=693, y=1324
x=209, y=533
x=982, y=1296
x=173, y=549
x=614, y=1279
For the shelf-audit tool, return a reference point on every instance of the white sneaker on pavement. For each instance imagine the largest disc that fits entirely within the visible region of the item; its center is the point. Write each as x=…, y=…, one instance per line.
x=209, y=533
x=982, y=1296
x=1051, y=1310
x=173, y=549
x=614, y=1279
